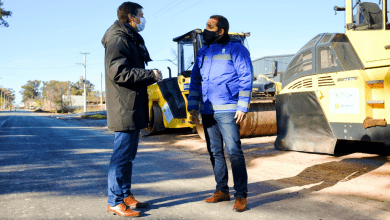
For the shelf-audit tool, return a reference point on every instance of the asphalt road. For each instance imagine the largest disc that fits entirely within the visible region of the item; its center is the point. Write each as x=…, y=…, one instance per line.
x=57, y=169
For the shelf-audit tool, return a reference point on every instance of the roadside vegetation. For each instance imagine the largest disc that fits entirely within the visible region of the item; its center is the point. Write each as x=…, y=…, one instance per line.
x=60, y=96
x=96, y=117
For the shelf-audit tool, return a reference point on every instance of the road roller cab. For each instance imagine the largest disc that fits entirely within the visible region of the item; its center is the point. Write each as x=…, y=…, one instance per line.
x=337, y=85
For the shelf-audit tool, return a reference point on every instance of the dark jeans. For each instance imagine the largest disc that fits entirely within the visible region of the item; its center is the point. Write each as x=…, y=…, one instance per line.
x=121, y=166
x=221, y=128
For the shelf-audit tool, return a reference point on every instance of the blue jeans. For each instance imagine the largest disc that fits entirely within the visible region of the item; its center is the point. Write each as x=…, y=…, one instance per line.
x=121, y=166
x=221, y=128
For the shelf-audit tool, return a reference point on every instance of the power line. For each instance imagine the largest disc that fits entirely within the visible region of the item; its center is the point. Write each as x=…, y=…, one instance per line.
x=40, y=68
x=168, y=9
x=179, y=12
x=165, y=7
x=37, y=68
x=187, y=8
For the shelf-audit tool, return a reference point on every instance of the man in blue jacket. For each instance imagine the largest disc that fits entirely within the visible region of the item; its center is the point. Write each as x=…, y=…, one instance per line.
x=220, y=88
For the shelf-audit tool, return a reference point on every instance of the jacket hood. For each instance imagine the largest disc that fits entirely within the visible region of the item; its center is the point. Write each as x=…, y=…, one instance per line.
x=119, y=29
x=122, y=29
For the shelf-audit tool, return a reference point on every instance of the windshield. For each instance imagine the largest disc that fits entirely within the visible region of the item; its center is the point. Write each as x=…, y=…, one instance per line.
x=368, y=14
x=188, y=56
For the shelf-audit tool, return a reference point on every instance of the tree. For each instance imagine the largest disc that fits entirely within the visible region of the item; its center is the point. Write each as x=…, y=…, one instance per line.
x=11, y=94
x=51, y=90
x=77, y=88
x=31, y=90
x=4, y=13
x=8, y=96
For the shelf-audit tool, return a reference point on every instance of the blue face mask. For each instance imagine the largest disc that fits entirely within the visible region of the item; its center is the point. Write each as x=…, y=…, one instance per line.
x=141, y=26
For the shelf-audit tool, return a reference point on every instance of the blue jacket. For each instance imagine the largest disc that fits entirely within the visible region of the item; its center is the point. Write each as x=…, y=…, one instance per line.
x=221, y=79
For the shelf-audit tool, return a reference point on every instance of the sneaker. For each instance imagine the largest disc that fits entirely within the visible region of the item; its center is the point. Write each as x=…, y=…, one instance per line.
x=240, y=204
x=218, y=197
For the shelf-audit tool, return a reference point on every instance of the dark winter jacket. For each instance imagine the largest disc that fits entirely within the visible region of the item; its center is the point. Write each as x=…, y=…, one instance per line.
x=126, y=78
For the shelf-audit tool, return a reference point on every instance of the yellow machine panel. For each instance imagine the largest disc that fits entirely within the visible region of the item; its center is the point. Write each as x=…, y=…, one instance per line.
x=337, y=86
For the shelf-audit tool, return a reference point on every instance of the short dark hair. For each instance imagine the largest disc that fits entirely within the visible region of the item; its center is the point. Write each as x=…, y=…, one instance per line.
x=127, y=8
x=222, y=23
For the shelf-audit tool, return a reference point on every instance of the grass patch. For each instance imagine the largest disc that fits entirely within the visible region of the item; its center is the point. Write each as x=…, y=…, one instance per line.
x=97, y=116
x=41, y=111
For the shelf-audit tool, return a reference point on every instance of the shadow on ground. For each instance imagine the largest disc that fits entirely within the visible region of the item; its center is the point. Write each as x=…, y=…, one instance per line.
x=314, y=178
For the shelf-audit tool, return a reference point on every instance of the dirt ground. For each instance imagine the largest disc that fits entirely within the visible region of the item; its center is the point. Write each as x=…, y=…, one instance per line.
x=357, y=179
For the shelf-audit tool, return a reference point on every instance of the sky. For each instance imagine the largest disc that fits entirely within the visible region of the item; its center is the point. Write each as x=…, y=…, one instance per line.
x=45, y=38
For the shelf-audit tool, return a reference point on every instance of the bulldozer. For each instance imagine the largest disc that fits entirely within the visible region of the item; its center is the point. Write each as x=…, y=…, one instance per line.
x=168, y=98
x=337, y=86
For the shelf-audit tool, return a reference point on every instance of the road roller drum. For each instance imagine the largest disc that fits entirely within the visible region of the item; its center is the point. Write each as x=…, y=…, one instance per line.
x=259, y=121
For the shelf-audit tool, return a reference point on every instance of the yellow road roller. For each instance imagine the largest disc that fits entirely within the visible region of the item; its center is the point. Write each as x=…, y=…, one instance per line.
x=168, y=98
x=337, y=87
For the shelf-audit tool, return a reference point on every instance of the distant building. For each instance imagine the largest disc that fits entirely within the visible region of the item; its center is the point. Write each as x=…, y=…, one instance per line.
x=73, y=101
x=265, y=65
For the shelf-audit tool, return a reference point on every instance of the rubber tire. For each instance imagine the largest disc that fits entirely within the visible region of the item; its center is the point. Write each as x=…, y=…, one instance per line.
x=154, y=121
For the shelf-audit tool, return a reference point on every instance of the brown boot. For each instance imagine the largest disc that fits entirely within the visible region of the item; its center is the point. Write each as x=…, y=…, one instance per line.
x=218, y=197
x=132, y=203
x=240, y=204
x=122, y=210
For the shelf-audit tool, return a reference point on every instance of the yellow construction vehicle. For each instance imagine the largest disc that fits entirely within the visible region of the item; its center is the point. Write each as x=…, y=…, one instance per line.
x=337, y=87
x=168, y=98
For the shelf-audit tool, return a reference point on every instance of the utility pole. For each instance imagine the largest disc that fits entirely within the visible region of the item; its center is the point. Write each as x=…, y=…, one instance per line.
x=2, y=107
x=6, y=106
x=4, y=100
x=1, y=98
x=101, y=91
x=85, y=80
x=62, y=106
x=70, y=96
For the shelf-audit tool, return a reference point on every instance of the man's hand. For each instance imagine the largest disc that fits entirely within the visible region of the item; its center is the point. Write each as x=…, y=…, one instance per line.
x=194, y=114
x=157, y=75
x=240, y=116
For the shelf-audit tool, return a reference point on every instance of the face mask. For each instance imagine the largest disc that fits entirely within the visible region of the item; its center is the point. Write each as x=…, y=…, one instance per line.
x=210, y=36
x=141, y=26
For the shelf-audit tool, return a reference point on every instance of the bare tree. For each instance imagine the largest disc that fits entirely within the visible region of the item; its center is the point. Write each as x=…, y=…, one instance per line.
x=52, y=92
x=4, y=13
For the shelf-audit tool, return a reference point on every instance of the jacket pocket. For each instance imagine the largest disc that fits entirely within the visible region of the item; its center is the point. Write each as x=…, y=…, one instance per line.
x=130, y=100
x=232, y=89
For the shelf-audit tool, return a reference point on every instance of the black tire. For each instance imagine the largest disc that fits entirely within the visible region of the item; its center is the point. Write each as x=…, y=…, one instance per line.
x=155, y=121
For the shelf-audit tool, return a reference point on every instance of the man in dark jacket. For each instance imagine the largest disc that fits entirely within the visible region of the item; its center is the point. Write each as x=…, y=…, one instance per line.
x=127, y=101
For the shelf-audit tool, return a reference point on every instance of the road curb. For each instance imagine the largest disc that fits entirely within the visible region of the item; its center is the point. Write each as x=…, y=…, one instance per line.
x=73, y=115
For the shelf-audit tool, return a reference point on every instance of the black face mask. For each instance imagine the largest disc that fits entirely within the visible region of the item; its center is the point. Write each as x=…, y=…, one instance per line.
x=210, y=36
